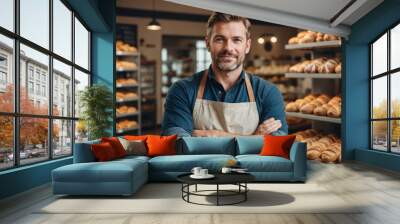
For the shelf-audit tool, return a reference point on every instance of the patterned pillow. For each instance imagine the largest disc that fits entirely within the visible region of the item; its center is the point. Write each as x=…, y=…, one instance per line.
x=134, y=147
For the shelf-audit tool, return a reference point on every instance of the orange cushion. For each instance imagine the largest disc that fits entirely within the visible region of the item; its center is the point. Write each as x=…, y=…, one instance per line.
x=116, y=145
x=103, y=151
x=277, y=145
x=135, y=137
x=161, y=145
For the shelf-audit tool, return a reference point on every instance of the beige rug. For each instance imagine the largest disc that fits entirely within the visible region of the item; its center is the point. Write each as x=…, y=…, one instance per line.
x=166, y=198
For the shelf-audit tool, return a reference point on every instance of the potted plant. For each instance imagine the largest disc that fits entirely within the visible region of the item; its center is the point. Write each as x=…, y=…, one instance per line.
x=96, y=104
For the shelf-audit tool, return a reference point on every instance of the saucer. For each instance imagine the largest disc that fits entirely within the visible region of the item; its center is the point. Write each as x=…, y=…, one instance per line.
x=208, y=176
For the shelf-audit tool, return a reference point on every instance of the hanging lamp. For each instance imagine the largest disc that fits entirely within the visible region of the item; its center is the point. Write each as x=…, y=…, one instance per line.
x=154, y=24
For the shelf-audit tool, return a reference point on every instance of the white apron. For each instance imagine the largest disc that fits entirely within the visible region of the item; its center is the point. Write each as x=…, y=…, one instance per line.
x=234, y=118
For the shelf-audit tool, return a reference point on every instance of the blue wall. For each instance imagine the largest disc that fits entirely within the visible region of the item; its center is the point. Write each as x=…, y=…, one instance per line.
x=355, y=128
x=99, y=15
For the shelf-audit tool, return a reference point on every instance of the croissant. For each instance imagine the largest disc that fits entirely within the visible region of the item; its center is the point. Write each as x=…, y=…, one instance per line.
x=329, y=156
x=328, y=37
x=301, y=34
x=308, y=108
x=292, y=107
x=328, y=67
x=338, y=68
x=308, y=38
x=294, y=40
x=320, y=37
x=313, y=154
x=334, y=111
x=321, y=110
x=312, y=67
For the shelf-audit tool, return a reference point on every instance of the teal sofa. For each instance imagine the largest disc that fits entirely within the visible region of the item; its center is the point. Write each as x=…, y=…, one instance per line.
x=125, y=176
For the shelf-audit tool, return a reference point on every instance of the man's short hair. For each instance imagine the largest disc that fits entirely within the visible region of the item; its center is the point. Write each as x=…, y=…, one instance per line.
x=217, y=17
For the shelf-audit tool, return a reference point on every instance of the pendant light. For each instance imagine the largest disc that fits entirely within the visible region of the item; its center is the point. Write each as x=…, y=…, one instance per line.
x=154, y=24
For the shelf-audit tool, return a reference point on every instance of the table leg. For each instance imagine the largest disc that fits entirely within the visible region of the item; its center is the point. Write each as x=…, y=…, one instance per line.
x=217, y=194
x=196, y=188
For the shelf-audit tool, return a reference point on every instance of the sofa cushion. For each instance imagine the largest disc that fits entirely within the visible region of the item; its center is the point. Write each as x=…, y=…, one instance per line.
x=161, y=145
x=185, y=163
x=116, y=145
x=257, y=163
x=249, y=144
x=206, y=145
x=103, y=152
x=277, y=145
x=83, y=153
x=111, y=171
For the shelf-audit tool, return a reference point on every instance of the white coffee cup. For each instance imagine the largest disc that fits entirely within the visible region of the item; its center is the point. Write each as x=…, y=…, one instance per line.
x=226, y=170
x=196, y=170
x=203, y=172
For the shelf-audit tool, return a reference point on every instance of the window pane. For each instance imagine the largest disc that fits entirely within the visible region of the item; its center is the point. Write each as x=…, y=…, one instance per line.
x=62, y=29
x=62, y=89
x=395, y=138
x=6, y=142
x=379, y=98
x=81, y=45
x=379, y=135
x=379, y=55
x=81, y=81
x=36, y=101
x=6, y=74
x=81, y=132
x=7, y=14
x=35, y=21
x=395, y=47
x=33, y=139
x=62, y=138
x=395, y=94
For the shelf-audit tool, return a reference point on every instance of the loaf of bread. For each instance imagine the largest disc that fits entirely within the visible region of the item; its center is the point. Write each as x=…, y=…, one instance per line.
x=328, y=66
x=294, y=40
x=292, y=107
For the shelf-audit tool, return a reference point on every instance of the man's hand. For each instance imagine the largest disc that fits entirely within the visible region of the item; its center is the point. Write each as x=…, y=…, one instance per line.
x=268, y=126
x=210, y=133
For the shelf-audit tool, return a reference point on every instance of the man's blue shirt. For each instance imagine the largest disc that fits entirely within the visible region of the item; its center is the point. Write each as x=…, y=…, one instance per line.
x=182, y=95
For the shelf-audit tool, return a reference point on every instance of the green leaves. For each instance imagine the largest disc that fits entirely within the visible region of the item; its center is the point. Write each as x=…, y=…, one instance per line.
x=96, y=103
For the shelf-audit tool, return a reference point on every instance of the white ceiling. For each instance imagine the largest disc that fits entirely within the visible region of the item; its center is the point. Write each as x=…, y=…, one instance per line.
x=305, y=14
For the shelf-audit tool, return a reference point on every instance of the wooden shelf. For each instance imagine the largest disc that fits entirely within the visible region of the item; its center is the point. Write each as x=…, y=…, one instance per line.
x=314, y=75
x=128, y=100
x=127, y=70
x=126, y=86
x=269, y=74
x=127, y=115
x=124, y=53
x=322, y=44
x=315, y=117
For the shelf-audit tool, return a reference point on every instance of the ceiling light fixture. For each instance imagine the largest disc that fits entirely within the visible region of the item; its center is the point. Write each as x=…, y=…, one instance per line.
x=154, y=24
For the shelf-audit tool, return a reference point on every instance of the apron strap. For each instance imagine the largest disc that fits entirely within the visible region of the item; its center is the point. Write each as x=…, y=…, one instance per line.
x=202, y=86
x=250, y=91
x=200, y=91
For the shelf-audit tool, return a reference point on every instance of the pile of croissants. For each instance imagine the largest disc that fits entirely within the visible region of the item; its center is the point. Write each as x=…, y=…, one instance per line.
x=125, y=96
x=319, y=65
x=125, y=124
x=326, y=148
x=321, y=105
x=311, y=36
x=124, y=47
x=125, y=65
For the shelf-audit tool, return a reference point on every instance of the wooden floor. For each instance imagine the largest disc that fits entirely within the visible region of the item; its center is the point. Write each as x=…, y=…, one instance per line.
x=378, y=188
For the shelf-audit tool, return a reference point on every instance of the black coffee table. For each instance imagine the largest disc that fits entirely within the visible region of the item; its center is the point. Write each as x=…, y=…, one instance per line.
x=238, y=179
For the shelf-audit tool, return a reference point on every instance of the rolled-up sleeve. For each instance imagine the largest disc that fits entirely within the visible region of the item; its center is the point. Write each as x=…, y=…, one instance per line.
x=178, y=113
x=273, y=106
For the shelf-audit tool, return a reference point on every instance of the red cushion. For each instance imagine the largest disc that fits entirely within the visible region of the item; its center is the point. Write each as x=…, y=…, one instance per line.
x=116, y=145
x=161, y=145
x=277, y=145
x=103, y=151
x=136, y=137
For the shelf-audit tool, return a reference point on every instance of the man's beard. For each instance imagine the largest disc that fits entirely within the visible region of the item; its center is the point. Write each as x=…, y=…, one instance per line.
x=228, y=66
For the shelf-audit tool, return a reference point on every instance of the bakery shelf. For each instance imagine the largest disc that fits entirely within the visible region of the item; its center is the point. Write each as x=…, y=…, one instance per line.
x=119, y=131
x=269, y=74
x=127, y=69
x=126, y=86
x=314, y=75
x=322, y=44
x=128, y=100
x=125, y=53
x=314, y=117
x=126, y=115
